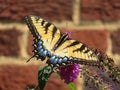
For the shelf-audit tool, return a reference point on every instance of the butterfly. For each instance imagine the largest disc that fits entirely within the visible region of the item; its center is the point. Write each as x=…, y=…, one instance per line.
x=58, y=48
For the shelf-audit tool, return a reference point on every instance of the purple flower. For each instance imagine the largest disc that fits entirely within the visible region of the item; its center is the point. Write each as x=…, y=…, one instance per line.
x=69, y=34
x=69, y=73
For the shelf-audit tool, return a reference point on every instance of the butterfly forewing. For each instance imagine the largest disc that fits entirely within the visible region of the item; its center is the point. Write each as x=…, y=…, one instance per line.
x=48, y=32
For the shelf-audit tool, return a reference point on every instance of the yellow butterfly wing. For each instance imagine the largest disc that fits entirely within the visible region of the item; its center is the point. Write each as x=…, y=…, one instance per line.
x=73, y=48
x=48, y=32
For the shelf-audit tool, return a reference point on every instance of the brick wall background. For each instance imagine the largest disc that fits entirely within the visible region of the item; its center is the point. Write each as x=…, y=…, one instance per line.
x=93, y=22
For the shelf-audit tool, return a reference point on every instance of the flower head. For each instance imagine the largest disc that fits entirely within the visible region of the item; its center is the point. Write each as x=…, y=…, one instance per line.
x=69, y=73
x=69, y=34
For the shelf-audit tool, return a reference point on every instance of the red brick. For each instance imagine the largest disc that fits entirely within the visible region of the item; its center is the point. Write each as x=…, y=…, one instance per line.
x=100, y=9
x=91, y=3
x=116, y=41
x=30, y=43
x=18, y=77
x=96, y=39
x=116, y=3
x=9, y=45
x=55, y=83
x=14, y=77
x=49, y=9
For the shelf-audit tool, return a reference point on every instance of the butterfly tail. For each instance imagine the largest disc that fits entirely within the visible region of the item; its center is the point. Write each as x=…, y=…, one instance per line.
x=30, y=58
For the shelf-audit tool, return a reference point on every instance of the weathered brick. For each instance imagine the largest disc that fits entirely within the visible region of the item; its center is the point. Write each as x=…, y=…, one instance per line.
x=9, y=44
x=116, y=41
x=30, y=43
x=55, y=83
x=50, y=9
x=96, y=39
x=100, y=9
x=19, y=77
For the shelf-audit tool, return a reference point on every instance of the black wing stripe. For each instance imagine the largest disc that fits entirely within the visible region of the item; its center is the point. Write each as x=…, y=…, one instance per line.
x=62, y=40
x=54, y=31
x=31, y=26
x=47, y=26
x=37, y=18
x=87, y=51
x=80, y=49
x=73, y=44
x=42, y=23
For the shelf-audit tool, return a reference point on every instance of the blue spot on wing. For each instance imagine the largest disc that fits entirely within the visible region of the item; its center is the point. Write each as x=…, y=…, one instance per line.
x=39, y=43
x=39, y=48
x=60, y=61
x=52, y=59
x=50, y=54
x=40, y=51
x=44, y=53
x=38, y=37
x=55, y=61
x=65, y=59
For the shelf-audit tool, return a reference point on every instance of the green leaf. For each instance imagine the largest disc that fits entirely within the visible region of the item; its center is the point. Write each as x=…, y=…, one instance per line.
x=71, y=86
x=43, y=75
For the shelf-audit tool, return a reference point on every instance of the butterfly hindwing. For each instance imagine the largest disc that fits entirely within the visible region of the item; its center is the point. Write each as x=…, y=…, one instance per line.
x=73, y=48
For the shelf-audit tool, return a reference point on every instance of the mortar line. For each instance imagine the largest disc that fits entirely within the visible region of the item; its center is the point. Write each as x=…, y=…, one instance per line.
x=76, y=12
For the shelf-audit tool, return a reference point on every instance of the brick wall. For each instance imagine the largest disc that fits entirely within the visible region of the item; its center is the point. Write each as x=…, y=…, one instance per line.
x=93, y=22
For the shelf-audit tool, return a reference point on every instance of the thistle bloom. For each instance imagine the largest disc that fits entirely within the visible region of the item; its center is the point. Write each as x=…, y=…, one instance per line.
x=69, y=73
x=69, y=34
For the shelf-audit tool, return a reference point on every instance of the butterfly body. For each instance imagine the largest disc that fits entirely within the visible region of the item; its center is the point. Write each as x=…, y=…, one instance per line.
x=57, y=47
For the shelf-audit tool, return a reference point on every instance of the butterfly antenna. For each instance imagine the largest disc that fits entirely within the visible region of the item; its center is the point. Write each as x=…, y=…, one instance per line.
x=30, y=58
